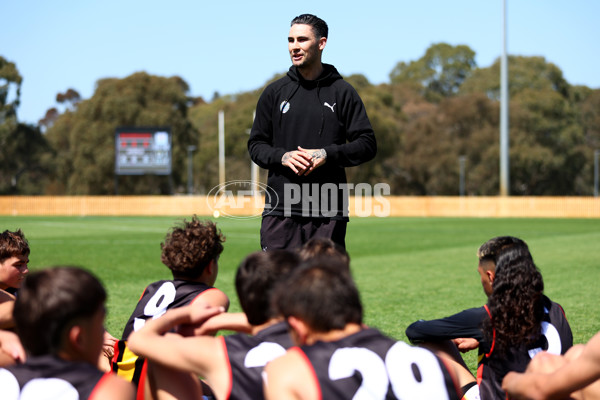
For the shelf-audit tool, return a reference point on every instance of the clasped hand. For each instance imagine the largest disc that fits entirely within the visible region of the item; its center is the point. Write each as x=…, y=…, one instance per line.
x=304, y=161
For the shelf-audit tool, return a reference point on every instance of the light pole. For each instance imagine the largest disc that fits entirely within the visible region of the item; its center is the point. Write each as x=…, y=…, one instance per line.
x=190, y=178
x=461, y=162
x=221, y=147
x=596, y=172
x=504, y=146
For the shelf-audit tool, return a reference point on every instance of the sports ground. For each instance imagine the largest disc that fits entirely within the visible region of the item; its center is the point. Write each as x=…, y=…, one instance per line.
x=406, y=268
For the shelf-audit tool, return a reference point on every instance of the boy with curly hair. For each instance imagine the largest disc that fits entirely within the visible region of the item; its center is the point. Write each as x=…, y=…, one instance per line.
x=191, y=251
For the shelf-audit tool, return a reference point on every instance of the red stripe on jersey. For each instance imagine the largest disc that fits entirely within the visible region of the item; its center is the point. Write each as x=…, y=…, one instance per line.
x=142, y=382
x=100, y=383
x=142, y=295
x=493, y=332
x=479, y=374
x=228, y=363
x=312, y=370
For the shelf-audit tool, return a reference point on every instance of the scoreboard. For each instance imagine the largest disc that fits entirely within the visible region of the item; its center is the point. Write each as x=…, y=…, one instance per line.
x=141, y=151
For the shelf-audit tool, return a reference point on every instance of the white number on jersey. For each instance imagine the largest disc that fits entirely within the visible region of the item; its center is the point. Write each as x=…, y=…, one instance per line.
x=157, y=305
x=262, y=354
x=345, y=361
x=553, y=339
x=414, y=373
x=36, y=389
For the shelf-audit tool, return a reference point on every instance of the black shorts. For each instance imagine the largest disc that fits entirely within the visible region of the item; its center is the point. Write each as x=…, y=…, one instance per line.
x=278, y=232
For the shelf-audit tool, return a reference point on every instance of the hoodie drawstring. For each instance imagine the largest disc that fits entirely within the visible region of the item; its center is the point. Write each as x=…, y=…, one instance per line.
x=322, y=112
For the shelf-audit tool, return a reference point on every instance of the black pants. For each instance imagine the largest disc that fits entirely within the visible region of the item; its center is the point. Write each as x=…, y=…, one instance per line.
x=277, y=232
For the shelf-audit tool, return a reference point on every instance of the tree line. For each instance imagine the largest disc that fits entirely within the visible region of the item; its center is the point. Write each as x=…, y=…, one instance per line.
x=433, y=112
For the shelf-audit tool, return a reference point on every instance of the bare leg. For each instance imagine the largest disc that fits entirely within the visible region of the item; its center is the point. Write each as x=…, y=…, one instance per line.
x=448, y=352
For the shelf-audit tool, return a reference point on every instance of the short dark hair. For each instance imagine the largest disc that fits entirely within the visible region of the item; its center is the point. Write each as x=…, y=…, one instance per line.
x=256, y=278
x=318, y=25
x=323, y=246
x=189, y=248
x=50, y=301
x=318, y=294
x=13, y=244
x=493, y=248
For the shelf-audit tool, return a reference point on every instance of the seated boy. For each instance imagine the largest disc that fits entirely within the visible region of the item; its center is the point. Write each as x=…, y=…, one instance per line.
x=14, y=256
x=232, y=365
x=59, y=317
x=191, y=252
x=336, y=356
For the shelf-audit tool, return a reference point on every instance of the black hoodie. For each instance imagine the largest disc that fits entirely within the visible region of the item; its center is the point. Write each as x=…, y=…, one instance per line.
x=325, y=113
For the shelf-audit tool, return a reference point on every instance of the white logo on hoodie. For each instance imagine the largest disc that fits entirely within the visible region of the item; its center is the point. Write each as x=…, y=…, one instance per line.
x=284, y=106
x=326, y=104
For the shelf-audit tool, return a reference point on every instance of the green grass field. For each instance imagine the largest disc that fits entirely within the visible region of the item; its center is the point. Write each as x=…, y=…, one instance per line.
x=406, y=268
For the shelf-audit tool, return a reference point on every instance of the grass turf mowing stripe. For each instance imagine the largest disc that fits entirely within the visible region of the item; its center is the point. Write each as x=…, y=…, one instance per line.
x=406, y=268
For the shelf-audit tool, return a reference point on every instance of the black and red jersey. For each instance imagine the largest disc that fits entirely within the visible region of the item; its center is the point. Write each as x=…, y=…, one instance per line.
x=49, y=377
x=156, y=299
x=368, y=364
x=247, y=356
x=159, y=297
x=556, y=338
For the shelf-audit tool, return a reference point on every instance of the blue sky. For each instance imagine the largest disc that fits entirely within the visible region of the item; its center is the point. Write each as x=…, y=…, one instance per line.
x=235, y=46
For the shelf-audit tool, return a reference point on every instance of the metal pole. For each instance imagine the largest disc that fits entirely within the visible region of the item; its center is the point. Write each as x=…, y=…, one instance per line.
x=596, y=172
x=190, y=177
x=504, y=159
x=461, y=162
x=221, y=147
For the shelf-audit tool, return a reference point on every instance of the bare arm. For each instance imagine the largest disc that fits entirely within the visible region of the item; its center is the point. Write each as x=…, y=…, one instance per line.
x=173, y=350
x=114, y=387
x=7, y=302
x=214, y=298
x=289, y=378
x=11, y=350
x=104, y=361
x=570, y=377
x=237, y=322
x=164, y=383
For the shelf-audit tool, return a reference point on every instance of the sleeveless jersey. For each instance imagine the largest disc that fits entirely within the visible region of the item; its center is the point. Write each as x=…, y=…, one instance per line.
x=157, y=298
x=556, y=338
x=370, y=365
x=49, y=377
x=247, y=356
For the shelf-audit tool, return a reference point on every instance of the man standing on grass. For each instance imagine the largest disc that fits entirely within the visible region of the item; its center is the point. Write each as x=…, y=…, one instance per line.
x=309, y=126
